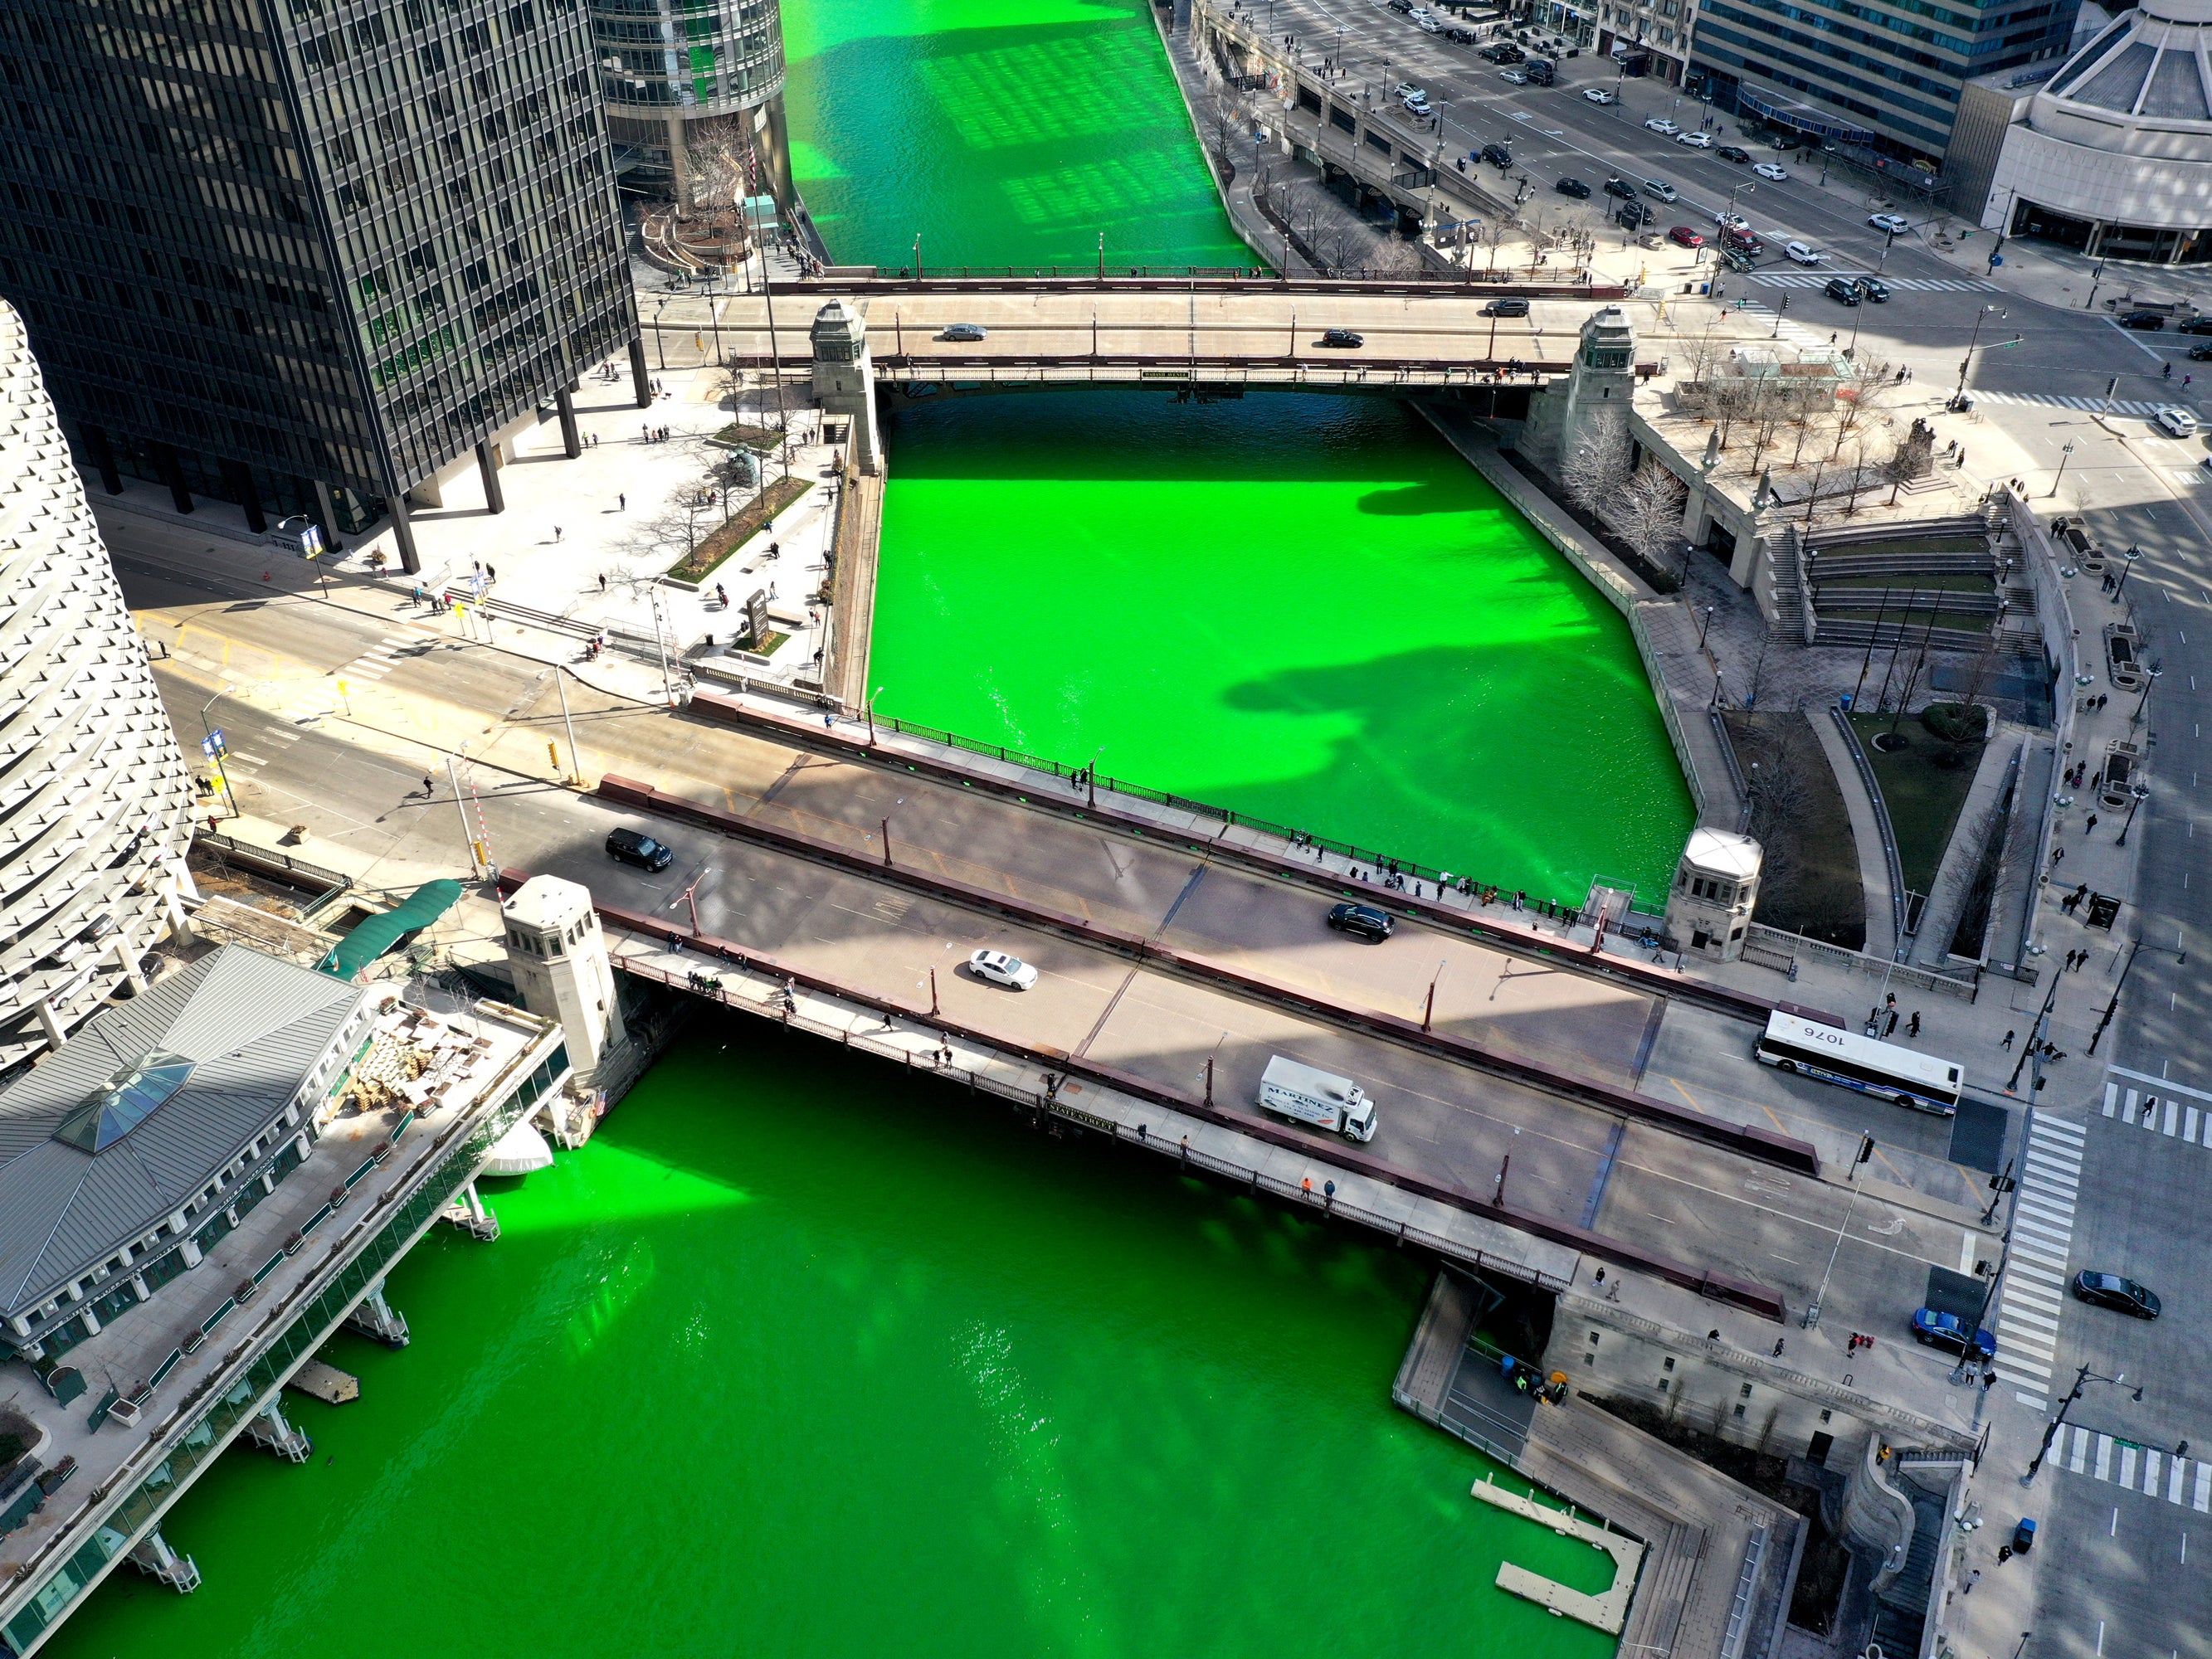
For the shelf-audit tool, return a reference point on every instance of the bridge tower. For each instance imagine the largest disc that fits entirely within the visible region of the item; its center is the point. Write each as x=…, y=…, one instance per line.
x=559, y=959
x=845, y=377
x=1715, y=884
x=1602, y=382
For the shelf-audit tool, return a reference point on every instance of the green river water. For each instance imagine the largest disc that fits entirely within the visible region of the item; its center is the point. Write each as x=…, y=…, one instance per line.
x=803, y=1356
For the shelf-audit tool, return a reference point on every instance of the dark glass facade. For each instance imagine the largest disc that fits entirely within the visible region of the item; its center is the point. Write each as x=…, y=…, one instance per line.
x=265, y=245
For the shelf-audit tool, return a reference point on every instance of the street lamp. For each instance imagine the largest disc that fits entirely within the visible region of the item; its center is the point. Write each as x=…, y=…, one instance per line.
x=2130, y=557
x=2137, y=796
x=2180, y=959
x=2059, y=1422
x=217, y=756
x=1704, y=625
x=2065, y=455
x=1959, y=396
x=2150, y=678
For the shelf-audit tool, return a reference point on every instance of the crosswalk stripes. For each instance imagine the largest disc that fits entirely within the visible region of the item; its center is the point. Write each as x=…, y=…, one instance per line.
x=2053, y=400
x=2035, y=1275
x=2169, y=1114
x=1902, y=285
x=2184, y=1482
x=1796, y=333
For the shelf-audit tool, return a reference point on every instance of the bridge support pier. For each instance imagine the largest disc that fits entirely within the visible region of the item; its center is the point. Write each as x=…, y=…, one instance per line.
x=468, y=1212
x=156, y=1560
x=378, y=1320
x=272, y=1430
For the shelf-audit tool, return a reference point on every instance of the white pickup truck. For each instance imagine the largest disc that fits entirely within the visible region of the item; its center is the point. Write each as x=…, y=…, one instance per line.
x=1307, y=1096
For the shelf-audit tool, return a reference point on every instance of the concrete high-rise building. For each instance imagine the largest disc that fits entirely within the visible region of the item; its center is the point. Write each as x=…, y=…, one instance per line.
x=1884, y=75
x=307, y=258
x=691, y=86
x=95, y=803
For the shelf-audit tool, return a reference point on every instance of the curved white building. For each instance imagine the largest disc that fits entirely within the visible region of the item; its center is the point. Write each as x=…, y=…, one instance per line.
x=95, y=803
x=2113, y=155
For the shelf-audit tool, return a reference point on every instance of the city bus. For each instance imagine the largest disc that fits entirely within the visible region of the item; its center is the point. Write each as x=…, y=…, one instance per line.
x=1903, y=1075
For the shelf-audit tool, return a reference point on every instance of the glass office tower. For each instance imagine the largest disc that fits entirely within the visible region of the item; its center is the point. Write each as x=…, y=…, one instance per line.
x=686, y=76
x=301, y=254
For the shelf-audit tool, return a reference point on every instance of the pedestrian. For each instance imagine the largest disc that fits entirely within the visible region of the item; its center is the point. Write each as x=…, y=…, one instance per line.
x=2004, y=1553
x=2091, y=825
x=2167, y=373
x=644, y=434
x=1777, y=1347
x=622, y=501
x=2007, y=1044
x=1973, y=1579
x=491, y=571
x=603, y=581
x=1912, y=1027
x=429, y=785
x=557, y=532
x=1889, y=1000
x=2058, y=857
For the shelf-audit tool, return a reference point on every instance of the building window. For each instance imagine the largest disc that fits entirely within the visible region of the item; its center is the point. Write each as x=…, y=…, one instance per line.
x=1593, y=1339
x=1746, y=1391
x=1739, y=1410
x=1665, y=1383
x=1670, y=1364
x=1826, y=1414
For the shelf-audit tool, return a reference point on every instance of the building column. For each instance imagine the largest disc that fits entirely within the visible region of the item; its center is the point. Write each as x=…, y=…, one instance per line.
x=172, y=474
x=378, y=1320
x=271, y=1429
x=153, y=1558
x=103, y=456
x=403, y=534
x=326, y=517
x=679, y=166
x=239, y=477
x=127, y=959
x=572, y=441
x=49, y=1024
x=640, y=377
x=488, y=469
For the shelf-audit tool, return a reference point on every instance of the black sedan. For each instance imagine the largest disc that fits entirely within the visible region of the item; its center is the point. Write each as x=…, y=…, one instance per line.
x=1732, y=153
x=1621, y=188
x=2195, y=326
x=2201, y=354
x=1362, y=921
x=1574, y=187
x=2111, y=1290
x=1343, y=337
x=1498, y=155
x=2150, y=322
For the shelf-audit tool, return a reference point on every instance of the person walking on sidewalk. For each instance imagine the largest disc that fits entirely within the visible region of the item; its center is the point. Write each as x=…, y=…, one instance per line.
x=1912, y=1027
x=2007, y=1044
x=2087, y=827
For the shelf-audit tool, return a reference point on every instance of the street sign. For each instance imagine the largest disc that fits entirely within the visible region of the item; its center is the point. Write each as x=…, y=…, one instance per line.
x=756, y=618
x=212, y=745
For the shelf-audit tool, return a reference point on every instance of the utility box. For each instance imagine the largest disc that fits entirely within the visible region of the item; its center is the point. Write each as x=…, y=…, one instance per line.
x=1715, y=884
x=559, y=959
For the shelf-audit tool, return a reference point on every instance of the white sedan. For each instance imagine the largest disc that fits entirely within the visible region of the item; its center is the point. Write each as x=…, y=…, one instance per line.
x=1695, y=140
x=1801, y=253
x=1662, y=126
x=1895, y=223
x=1600, y=95
x=1000, y=969
x=1769, y=170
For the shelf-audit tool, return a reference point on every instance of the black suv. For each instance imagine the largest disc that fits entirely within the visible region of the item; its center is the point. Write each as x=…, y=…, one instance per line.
x=631, y=846
x=1362, y=921
x=1842, y=292
x=1498, y=155
x=1621, y=188
x=1633, y=216
x=1509, y=308
x=2195, y=326
x=1732, y=153
x=1580, y=191
x=1343, y=337
x=2150, y=322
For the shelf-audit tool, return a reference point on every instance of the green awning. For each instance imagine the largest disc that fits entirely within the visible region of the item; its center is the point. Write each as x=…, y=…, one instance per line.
x=379, y=934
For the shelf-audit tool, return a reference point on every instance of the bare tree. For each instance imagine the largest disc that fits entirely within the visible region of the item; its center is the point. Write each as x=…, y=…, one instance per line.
x=1596, y=464
x=1856, y=398
x=1780, y=799
x=1646, y=511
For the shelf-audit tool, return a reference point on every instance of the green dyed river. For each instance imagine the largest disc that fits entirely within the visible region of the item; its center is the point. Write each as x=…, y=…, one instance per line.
x=803, y=1357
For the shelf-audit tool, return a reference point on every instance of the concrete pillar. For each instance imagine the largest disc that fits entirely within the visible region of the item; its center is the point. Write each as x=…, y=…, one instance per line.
x=138, y=1284
x=488, y=470
x=91, y=1321
x=48, y=1024
x=680, y=164
x=126, y=958
x=172, y=474
x=239, y=477
x=103, y=457
x=640, y=376
x=378, y=1320
x=572, y=441
x=327, y=517
x=403, y=536
x=190, y=1250
x=153, y=1558
x=272, y=1431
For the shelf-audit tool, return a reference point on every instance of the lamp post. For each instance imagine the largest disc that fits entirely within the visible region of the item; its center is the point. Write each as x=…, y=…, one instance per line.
x=1888, y=241
x=2126, y=568
x=1704, y=625
x=2034, y=1034
x=2096, y=276
x=2065, y=454
x=2137, y=796
x=2150, y=678
x=1779, y=314
x=218, y=755
x=1982, y=316
x=2180, y=958
x=2085, y=1376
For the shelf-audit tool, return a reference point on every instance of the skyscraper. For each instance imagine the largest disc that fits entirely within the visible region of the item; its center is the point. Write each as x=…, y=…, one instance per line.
x=306, y=255
x=682, y=76
x=98, y=805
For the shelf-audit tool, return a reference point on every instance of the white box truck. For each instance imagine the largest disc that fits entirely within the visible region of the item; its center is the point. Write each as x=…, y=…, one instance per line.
x=1289, y=1090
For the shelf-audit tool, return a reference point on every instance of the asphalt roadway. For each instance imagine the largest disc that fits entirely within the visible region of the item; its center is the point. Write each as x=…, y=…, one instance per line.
x=297, y=758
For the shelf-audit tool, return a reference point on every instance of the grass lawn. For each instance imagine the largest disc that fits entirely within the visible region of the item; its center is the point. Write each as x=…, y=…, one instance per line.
x=1963, y=622
x=1812, y=885
x=724, y=539
x=1924, y=785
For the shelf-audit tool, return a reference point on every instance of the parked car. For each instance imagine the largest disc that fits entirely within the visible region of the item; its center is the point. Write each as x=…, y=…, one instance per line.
x=1343, y=337
x=1743, y=242
x=1874, y=288
x=1953, y=1333
x=1841, y=292
x=970, y=331
x=1731, y=221
x=2195, y=326
x=1401, y=5
x=2111, y=1290
x=1506, y=308
x=1895, y=223
x=1601, y=94
x=1802, y=253
x=1686, y=236
x=1540, y=73
x=1694, y=140
x=1574, y=187
x=2175, y=423
x=1660, y=190
x=1621, y=188
x=1769, y=170
x=1514, y=76
x=2150, y=322
x=635, y=847
x=1498, y=155
x=1633, y=216
x=1405, y=89
x=1417, y=105
x=1661, y=125
x=2201, y=354
x=1460, y=36
x=997, y=968
x=1362, y=921
x=1430, y=25
x=1732, y=153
